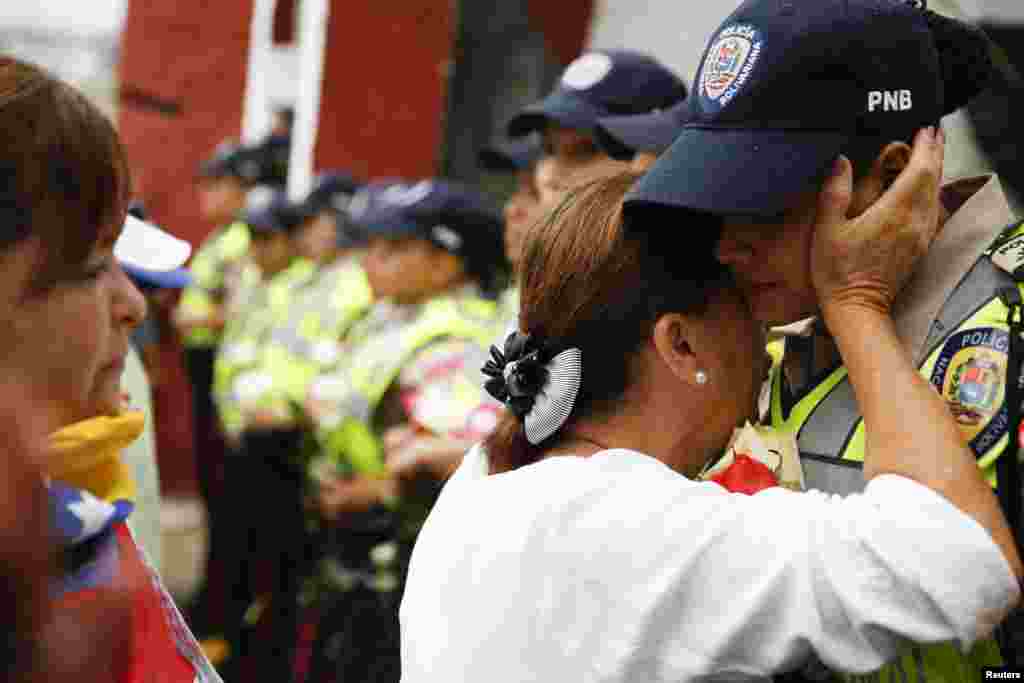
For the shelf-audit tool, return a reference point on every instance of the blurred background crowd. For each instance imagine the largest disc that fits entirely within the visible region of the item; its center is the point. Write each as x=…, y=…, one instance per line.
x=341, y=169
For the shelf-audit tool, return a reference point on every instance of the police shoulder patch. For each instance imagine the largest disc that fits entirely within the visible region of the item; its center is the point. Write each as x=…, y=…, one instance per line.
x=729, y=62
x=970, y=375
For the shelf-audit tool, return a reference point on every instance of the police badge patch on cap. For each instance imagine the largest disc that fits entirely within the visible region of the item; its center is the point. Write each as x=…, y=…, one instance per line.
x=729, y=62
x=969, y=374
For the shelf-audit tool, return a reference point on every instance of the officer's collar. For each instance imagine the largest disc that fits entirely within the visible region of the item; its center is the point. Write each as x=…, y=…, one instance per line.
x=980, y=212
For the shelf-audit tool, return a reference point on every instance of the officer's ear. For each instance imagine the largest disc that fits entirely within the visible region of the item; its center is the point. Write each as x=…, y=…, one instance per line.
x=883, y=172
x=673, y=345
x=891, y=162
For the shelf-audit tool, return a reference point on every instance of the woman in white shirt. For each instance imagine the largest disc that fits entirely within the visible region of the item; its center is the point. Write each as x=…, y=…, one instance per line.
x=577, y=545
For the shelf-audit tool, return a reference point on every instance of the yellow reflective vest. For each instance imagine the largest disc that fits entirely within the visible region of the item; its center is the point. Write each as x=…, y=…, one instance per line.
x=306, y=341
x=260, y=305
x=382, y=347
x=222, y=251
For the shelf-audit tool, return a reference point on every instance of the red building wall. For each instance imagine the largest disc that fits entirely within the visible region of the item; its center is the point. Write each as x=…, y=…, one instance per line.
x=564, y=24
x=384, y=85
x=182, y=72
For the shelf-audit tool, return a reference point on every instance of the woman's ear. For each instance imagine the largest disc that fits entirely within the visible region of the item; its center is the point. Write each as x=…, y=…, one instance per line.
x=672, y=342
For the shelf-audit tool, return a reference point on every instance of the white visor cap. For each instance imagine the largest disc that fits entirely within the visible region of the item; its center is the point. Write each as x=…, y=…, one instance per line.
x=146, y=246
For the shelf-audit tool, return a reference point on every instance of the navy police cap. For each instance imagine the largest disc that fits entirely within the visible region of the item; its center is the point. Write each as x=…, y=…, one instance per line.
x=783, y=87
x=598, y=84
x=454, y=217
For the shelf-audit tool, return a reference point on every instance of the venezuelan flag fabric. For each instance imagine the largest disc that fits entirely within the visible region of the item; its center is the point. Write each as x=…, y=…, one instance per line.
x=91, y=497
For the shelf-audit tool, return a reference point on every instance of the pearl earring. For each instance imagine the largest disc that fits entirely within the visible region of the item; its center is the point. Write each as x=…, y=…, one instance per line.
x=701, y=377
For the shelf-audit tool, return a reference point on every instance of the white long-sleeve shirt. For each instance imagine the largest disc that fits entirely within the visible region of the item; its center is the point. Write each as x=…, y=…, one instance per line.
x=617, y=568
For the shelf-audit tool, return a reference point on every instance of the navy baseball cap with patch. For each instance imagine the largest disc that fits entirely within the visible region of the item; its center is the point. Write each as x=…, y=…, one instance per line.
x=784, y=86
x=599, y=84
x=511, y=156
x=621, y=137
x=452, y=216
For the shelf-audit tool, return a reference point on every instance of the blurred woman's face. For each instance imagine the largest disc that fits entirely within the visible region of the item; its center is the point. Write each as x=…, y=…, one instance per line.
x=68, y=340
x=317, y=238
x=272, y=252
x=555, y=176
x=410, y=269
x=220, y=199
x=522, y=210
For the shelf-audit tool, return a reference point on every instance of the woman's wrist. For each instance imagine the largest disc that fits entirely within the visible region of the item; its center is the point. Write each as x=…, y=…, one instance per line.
x=853, y=317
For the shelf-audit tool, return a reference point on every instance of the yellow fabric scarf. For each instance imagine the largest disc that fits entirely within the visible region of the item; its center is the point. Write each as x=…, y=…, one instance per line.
x=87, y=455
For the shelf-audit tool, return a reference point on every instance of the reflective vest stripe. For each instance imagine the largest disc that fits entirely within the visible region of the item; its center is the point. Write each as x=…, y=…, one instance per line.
x=824, y=473
x=837, y=414
x=974, y=292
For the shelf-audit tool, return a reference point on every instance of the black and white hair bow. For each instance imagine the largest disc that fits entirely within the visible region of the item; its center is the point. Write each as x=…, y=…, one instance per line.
x=539, y=388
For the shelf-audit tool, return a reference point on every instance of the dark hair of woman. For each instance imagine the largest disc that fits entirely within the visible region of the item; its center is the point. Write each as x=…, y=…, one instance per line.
x=590, y=281
x=63, y=172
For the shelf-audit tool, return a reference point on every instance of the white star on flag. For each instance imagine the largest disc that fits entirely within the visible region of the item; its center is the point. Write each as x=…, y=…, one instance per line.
x=94, y=514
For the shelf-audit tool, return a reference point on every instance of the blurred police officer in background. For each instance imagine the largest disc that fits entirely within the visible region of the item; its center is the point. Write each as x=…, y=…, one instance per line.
x=311, y=304
x=216, y=277
x=406, y=375
x=596, y=85
x=262, y=489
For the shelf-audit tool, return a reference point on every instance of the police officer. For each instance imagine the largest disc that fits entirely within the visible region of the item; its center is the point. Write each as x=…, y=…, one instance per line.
x=262, y=504
x=199, y=318
x=408, y=369
x=789, y=87
x=304, y=342
x=598, y=84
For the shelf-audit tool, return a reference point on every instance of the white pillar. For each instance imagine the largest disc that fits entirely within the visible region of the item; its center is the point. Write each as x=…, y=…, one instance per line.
x=256, y=114
x=312, y=40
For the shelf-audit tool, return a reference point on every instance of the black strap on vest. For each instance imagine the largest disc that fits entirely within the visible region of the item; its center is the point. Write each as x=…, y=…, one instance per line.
x=1008, y=485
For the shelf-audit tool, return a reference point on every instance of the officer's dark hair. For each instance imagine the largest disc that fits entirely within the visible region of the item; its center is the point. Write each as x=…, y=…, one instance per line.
x=966, y=69
x=63, y=173
x=591, y=281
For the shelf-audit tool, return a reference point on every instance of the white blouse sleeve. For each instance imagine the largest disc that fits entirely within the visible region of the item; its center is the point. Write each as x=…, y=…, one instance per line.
x=781, y=574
